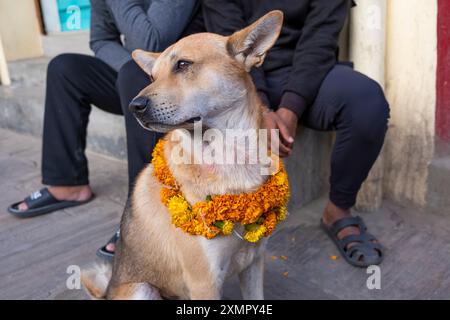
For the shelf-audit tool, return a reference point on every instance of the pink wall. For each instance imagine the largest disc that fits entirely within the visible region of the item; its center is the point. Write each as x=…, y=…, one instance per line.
x=443, y=72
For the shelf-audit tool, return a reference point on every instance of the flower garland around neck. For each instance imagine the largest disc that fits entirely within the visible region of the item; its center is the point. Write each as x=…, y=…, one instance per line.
x=259, y=212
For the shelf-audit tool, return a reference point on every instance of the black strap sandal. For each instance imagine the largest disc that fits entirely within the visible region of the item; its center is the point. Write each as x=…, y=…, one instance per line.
x=42, y=202
x=364, y=252
x=105, y=253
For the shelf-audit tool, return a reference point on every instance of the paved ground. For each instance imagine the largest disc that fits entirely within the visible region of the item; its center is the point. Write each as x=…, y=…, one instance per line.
x=35, y=253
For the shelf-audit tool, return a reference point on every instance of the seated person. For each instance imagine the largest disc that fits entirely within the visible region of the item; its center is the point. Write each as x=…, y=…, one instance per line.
x=302, y=81
x=110, y=80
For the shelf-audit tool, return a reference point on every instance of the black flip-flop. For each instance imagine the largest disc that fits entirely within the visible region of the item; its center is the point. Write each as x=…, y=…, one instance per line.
x=105, y=253
x=365, y=252
x=42, y=202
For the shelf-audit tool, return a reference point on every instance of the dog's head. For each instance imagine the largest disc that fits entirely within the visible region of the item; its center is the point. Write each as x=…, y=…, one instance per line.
x=201, y=76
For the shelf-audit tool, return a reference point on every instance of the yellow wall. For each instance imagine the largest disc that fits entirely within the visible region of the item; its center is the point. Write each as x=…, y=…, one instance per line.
x=411, y=90
x=19, y=29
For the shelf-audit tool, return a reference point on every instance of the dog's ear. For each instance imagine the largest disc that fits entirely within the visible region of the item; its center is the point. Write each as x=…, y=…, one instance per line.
x=250, y=45
x=145, y=59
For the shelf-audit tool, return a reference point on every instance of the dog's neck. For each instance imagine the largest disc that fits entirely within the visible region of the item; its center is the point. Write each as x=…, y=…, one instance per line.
x=244, y=114
x=200, y=180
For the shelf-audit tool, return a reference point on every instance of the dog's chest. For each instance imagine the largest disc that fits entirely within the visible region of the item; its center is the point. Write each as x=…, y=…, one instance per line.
x=230, y=255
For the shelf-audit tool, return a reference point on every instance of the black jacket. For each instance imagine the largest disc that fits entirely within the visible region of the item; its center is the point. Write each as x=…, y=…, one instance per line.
x=308, y=40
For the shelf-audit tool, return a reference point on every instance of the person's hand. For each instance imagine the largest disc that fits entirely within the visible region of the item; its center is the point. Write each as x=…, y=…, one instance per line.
x=290, y=120
x=286, y=122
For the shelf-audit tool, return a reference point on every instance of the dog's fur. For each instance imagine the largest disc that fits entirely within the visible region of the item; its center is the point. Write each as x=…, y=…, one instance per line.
x=153, y=258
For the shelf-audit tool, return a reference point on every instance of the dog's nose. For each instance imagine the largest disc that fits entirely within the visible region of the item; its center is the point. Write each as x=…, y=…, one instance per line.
x=138, y=104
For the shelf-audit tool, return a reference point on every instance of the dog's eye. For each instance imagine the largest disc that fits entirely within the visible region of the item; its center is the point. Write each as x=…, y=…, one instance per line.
x=182, y=65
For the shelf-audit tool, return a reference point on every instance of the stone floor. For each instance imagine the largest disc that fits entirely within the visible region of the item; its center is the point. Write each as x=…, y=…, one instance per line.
x=35, y=253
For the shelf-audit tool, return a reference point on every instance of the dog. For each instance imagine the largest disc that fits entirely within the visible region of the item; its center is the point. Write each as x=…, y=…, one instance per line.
x=203, y=77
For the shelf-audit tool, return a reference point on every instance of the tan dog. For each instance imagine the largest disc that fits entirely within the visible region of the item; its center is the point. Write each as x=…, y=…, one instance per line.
x=203, y=76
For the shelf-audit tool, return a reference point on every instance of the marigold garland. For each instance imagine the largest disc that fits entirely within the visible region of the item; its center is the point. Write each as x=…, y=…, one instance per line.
x=259, y=211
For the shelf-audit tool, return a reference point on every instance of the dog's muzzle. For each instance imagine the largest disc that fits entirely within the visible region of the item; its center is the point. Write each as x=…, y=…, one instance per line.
x=161, y=118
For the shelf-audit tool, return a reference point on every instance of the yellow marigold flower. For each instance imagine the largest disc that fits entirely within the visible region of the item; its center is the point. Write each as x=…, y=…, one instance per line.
x=281, y=213
x=228, y=227
x=198, y=229
x=166, y=194
x=255, y=235
x=280, y=178
x=179, y=208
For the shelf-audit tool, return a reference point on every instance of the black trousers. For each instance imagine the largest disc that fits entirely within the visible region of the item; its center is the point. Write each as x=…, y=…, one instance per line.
x=74, y=82
x=348, y=102
x=354, y=106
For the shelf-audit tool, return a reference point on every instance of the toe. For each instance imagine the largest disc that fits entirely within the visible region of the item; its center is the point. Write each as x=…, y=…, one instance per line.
x=22, y=206
x=111, y=247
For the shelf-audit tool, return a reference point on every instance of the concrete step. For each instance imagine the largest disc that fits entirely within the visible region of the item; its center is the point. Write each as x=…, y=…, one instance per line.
x=438, y=197
x=61, y=42
x=22, y=109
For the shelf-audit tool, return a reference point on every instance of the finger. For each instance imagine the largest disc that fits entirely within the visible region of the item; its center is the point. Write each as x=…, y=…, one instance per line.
x=284, y=151
x=279, y=147
x=285, y=135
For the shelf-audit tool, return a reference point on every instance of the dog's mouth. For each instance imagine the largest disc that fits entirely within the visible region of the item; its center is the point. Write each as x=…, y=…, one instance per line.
x=193, y=120
x=163, y=127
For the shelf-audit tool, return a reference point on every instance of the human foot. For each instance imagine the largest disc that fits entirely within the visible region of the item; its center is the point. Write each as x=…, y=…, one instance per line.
x=44, y=202
x=75, y=193
x=332, y=213
x=108, y=250
x=357, y=246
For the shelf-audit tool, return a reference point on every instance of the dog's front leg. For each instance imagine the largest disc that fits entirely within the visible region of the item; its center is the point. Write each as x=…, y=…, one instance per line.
x=252, y=280
x=204, y=285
